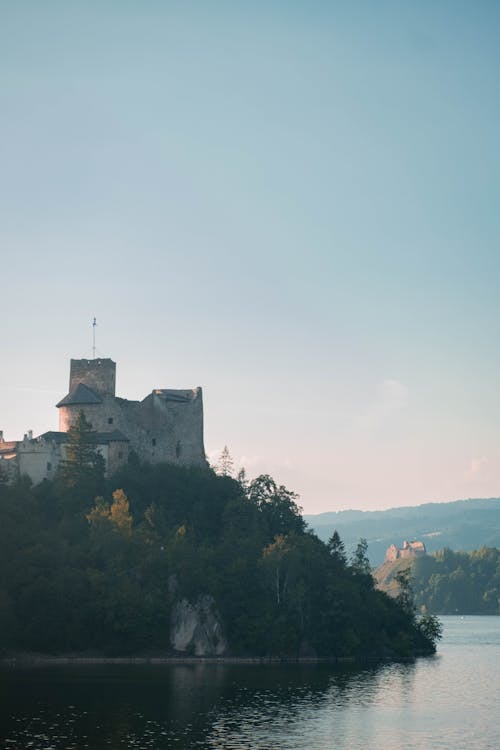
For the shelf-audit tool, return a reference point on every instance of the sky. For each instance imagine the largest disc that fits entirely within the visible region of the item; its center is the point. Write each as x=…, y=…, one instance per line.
x=292, y=204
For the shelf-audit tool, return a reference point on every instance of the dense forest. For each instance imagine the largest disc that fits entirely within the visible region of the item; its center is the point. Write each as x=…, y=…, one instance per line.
x=88, y=566
x=450, y=582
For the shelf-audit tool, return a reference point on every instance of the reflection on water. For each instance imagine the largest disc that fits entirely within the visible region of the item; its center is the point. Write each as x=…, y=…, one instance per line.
x=448, y=701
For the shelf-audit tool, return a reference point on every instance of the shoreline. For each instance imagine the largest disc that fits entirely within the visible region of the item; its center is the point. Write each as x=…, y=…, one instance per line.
x=47, y=660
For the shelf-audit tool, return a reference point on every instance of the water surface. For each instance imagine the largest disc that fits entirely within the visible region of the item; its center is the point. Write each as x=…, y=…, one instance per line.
x=449, y=701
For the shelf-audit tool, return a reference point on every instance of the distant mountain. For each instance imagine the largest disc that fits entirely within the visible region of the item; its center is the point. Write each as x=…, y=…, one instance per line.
x=460, y=525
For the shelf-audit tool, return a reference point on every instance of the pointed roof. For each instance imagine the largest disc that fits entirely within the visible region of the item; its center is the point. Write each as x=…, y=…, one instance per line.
x=54, y=437
x=80, y=394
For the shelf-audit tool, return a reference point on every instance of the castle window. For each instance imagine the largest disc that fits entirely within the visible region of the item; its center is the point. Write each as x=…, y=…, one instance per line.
x=178, y=449
x=120, y=454
x=153, y=442
x=110, y=420
x=49, y=466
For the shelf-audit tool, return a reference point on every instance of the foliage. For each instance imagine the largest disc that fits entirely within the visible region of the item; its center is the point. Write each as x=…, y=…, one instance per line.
x=431, y=627
x=116, y=515
x=83, y=469
x=277, y=505
x=405, y=598
x=92, y=571
x=361, y=564
x=458, y=582
x=336, y=548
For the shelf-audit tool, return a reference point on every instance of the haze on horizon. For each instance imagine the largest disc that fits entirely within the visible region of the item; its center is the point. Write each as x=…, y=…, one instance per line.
x=293, y=205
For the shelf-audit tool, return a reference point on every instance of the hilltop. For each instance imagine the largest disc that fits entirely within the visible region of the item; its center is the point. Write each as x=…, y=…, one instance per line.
x=173, y=560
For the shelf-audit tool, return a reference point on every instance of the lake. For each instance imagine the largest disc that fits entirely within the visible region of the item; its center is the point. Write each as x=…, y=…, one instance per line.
x=448, y=701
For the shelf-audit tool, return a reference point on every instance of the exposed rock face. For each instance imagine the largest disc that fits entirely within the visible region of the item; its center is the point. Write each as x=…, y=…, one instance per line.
x=197, y=628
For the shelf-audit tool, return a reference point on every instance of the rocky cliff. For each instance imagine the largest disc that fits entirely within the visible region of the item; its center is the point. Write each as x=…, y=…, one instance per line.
x=196, y=628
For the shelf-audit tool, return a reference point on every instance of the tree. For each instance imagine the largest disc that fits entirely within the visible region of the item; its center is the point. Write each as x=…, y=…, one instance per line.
x=336, y=548
x=225, y=463
x=431, y=628
x=84, y=462
x=116, y=515
x=405, y=596
x=98, y=517
x=360, y=561
x=273, y=555
x=278, y=506
x=119, y=512
x=241, y=478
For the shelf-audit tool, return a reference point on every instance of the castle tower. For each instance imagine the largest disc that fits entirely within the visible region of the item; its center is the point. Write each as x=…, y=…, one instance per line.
x=91, y=386
x=97, y=374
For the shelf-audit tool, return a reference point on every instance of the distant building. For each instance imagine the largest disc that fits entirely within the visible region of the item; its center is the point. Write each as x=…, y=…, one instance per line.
x=166, y=426
x=408, y=550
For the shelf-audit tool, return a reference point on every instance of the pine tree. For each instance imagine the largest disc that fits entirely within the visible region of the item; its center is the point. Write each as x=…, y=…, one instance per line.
x=84, y=461
x=360, y=561
x=336, y=548
x=241, y=478
x=225, y=463
x=405, y=596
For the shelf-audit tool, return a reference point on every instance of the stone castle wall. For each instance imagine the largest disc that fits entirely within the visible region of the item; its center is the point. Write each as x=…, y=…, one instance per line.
x=98, y=374
x=158, y=430
x=392, y=553
x=167, y=426
x=409, y=550
x=116, y=455
x=39, y=459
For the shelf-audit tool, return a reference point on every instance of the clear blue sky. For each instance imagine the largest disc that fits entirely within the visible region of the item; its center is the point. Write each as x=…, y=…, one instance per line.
x=292, y=204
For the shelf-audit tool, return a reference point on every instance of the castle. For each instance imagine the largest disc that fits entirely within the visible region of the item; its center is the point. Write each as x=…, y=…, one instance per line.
x=166, y=426
x=407, y=551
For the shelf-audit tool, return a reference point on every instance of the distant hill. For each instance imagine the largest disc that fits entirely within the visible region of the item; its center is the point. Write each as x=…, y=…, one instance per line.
x=460, y=525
